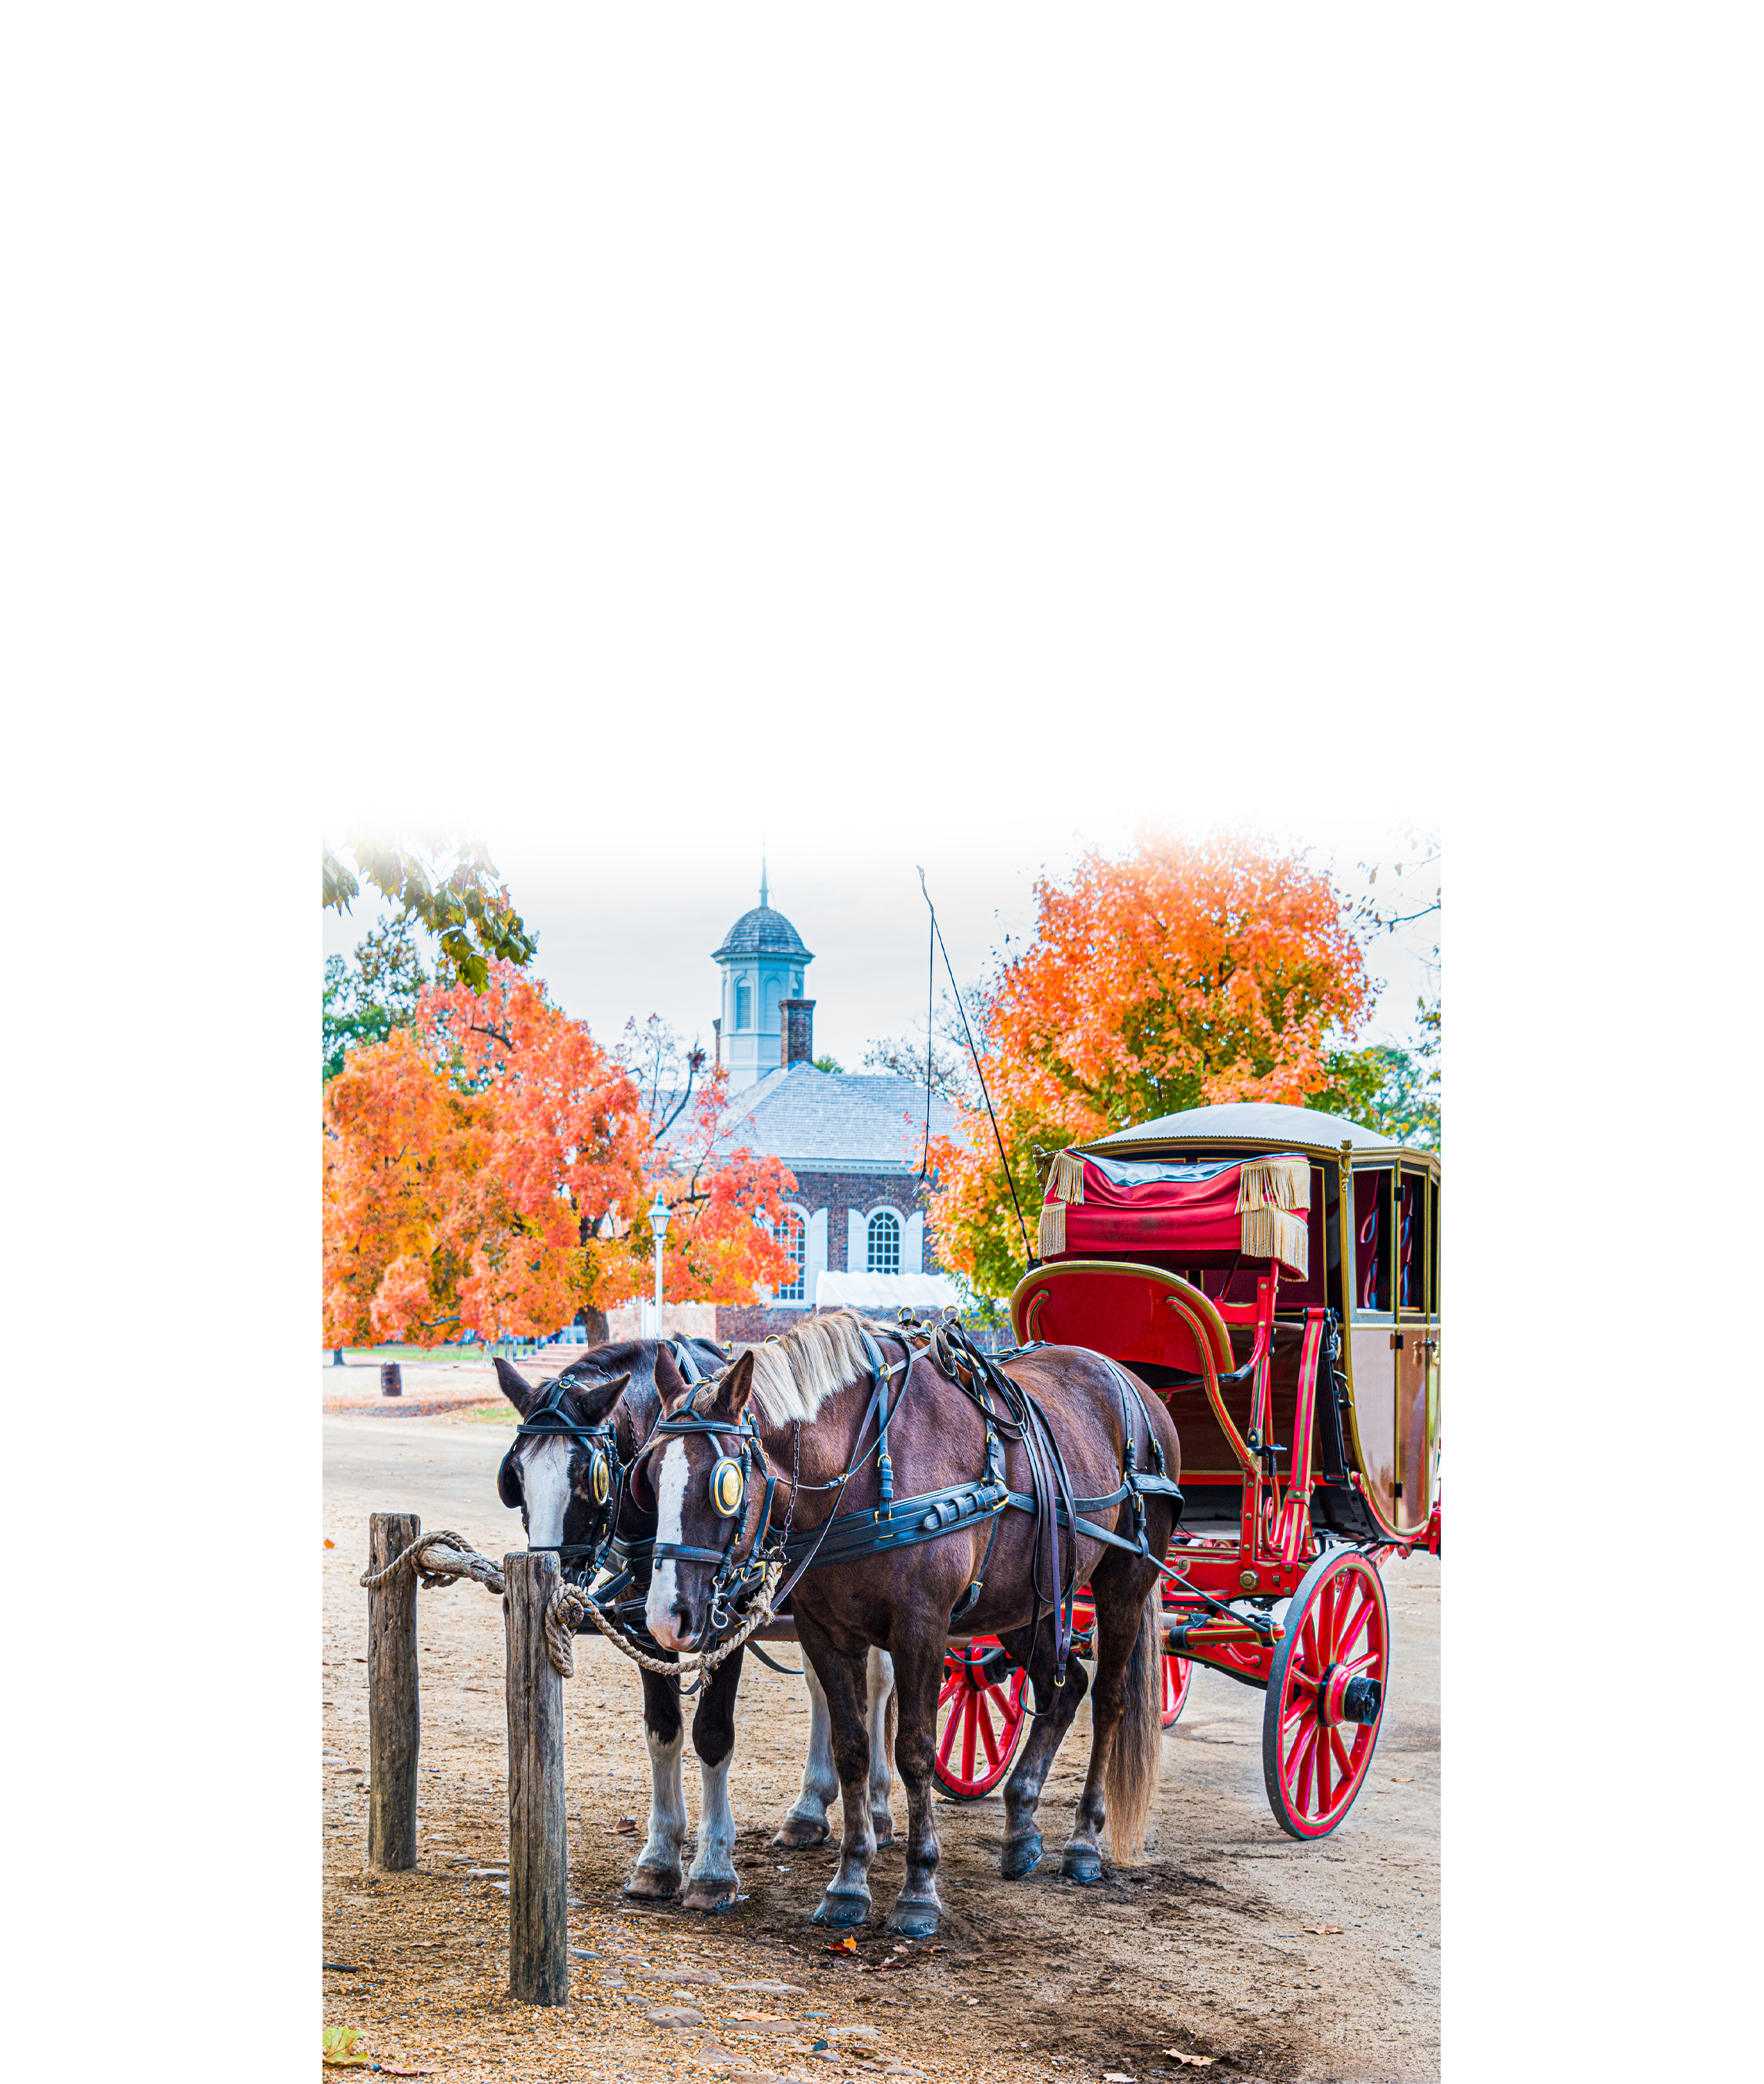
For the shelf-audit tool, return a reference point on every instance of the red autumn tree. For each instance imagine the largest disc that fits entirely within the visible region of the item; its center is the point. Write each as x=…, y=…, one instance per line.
x=492, y=1170
x=1184, y=975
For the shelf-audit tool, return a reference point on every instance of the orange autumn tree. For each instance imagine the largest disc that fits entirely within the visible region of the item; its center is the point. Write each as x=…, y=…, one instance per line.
x=491, y=1170
x=1184, y=975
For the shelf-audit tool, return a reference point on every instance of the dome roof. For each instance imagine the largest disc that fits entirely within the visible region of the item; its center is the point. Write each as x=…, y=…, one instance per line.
x=762, y=932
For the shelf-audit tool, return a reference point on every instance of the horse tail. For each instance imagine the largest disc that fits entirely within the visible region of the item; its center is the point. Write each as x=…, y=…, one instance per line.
x=1136, y=1756
x=892, y=1723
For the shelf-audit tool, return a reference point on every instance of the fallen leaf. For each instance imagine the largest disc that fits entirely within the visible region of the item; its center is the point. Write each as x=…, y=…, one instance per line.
x=1322, y=1928
x=332, y=1544
x=386, y=2069
x=848, y=1945
x=754, y=2019
x=1198, y=2061
x=339, y=2045
x=1402, y=1780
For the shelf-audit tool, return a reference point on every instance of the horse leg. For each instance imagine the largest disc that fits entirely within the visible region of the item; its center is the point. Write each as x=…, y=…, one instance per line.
x=884, y=1712
x=1033, y=1649
x=657, y=1872
x=846, y=1899
x=919, y=1678
x=1120, y=1616
x=806, y=1822
x=712, y=1883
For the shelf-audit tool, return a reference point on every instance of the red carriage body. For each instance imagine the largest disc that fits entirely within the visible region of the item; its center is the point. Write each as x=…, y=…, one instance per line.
x=1272, y=1274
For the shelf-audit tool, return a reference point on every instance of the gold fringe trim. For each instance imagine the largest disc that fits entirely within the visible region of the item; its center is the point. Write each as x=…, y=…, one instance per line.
x=1067, y=1178
x=1274, y=1234
x=1051, y=1241
x=1275, y=1183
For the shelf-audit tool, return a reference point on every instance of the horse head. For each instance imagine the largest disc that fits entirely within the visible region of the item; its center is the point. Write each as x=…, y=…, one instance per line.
x=706, y=1470
x=562, y=1469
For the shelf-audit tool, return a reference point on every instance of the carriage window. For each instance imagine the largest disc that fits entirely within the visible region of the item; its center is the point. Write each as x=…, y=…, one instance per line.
x=1372, y=1240
x=743, y=1006
x=793, y=1235
x=1433, y=1246
x=883, y=1255
x=1411, y=1240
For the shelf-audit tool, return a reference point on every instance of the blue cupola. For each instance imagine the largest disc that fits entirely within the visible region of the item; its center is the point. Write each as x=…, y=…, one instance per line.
x=763, y=962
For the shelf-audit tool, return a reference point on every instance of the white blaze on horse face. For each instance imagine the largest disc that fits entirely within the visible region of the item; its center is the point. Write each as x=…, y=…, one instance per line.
x=544, y=1483
x=670, y=1522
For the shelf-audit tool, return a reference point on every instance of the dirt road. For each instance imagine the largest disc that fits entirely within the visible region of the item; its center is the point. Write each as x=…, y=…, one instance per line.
x=1203, y=1949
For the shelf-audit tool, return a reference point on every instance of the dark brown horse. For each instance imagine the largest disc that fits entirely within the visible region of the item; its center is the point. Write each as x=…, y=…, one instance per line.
x=550, y=1475
x=807, y=1400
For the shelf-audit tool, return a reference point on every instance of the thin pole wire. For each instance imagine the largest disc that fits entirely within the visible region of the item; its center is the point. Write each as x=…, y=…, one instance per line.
x=930, y=994
x=937, y=934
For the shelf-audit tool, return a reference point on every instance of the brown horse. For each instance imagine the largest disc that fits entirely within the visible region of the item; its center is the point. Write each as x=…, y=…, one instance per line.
x=805, y=1403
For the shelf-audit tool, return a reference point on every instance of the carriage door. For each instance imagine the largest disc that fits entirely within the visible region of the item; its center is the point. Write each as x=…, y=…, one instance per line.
x=1414, y=1333
x=1372, y=1337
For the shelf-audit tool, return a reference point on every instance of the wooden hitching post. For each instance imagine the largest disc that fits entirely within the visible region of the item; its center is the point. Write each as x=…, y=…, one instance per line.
x=538, y=1876
x=393, y=1722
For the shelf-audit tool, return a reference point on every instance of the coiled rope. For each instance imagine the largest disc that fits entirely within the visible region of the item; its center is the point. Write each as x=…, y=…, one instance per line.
x=444, y=1557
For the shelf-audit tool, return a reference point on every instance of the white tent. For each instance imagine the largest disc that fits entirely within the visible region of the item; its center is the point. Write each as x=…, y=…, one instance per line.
x=887, y=1292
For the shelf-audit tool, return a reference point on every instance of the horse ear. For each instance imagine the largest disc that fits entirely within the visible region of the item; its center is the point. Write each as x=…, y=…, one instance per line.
x=598, y=1401
x=514, y=1386
x=670, y=1383
x=734, y=1386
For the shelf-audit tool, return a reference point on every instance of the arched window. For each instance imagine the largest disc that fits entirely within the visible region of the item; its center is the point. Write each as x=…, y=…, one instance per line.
x=743, y=1004
x=793, y=1234
x=883, y=1243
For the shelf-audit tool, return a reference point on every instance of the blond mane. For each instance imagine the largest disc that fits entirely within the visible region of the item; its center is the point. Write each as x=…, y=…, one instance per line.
x=796, y=1372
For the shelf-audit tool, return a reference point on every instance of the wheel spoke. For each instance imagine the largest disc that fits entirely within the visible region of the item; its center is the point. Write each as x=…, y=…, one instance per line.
x=1323, y=1772
x=1342, y=1759
x=1298, y=1777
x=968, y=1718
x=951, y=1731
x=988, y=1734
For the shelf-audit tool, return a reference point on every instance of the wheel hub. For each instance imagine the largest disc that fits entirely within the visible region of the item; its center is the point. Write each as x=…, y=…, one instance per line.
x=1345, y=1697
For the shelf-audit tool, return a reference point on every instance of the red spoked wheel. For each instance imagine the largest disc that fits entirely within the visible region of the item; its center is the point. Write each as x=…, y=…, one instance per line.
x=1326, y=1695
x=1178, y=1676
x=980, y=1717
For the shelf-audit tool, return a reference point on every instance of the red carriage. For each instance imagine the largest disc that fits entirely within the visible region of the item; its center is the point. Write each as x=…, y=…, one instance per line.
x=1273, y=1274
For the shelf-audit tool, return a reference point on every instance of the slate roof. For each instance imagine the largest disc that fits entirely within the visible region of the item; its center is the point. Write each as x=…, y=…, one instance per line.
x=827, y=1121
x=763, y=932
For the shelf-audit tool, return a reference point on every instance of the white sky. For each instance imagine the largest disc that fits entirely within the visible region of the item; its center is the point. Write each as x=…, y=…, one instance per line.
x=618, y=939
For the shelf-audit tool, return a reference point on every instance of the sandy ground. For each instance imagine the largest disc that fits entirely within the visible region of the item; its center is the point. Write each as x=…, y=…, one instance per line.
x=1202, y=1949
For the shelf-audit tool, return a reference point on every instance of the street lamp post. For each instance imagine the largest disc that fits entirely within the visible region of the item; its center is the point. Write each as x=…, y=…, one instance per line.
x=659, y=1215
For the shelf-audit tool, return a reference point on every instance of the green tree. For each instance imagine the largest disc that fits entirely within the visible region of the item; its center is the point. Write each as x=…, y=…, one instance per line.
x=448, y=884
x=1390, y=1091
x=375, y=992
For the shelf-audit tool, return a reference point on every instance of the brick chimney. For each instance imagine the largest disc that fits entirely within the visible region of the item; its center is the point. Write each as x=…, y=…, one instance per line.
x=798, y=1031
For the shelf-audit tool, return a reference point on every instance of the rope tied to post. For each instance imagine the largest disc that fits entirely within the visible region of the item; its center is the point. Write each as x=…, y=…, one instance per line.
x=568, y=1604
x=441, y=1558
x=444, y=1557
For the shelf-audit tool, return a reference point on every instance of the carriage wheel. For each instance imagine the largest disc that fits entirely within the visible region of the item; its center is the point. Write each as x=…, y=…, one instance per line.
x=1326, y=1695
x=978, y=1720
x=1178, y=1676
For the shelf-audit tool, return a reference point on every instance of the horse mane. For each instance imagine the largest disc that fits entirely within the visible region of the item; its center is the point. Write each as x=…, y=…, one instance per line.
x=796, y=1372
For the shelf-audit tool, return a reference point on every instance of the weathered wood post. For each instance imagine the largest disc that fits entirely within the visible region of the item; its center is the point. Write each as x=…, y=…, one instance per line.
x=538, y=1859
x=393, y=1720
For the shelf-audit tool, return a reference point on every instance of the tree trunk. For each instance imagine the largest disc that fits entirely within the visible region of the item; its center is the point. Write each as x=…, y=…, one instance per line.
x=538, y=1879
x=394, y=1722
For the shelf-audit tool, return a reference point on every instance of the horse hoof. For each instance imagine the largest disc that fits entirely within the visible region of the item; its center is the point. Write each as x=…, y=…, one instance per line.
x=654, y=1883
x=883, y=1827
x=914, y=1920
x=1078, y=1863
x=840, y=1910
x=797, y=1831
x=1022, y=1857
x=709, y=1892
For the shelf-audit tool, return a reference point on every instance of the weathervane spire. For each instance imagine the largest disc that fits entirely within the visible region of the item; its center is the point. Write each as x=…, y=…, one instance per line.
x=764, y=899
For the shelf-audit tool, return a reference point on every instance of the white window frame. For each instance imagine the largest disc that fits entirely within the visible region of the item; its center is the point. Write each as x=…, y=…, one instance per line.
x=883, y=1209
x=805, y=1275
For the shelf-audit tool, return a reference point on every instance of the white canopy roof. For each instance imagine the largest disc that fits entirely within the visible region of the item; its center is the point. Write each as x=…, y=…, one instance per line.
x=1260, y=1122
x=885, y=1291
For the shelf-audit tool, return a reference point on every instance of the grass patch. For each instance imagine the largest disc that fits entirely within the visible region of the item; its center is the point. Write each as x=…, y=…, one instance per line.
x=491, y=1414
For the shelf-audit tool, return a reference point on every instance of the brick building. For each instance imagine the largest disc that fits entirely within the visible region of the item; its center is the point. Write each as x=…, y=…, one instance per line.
x=856, y=1226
